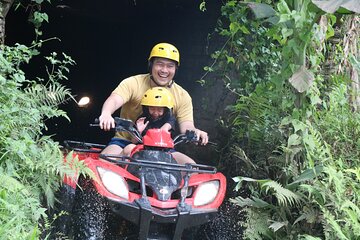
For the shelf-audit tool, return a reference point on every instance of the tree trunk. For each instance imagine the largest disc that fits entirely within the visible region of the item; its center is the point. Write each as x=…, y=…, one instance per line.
x=4, y=7
x=350, y=44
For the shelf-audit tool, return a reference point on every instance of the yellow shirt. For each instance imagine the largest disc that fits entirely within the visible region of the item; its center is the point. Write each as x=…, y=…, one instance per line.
x=132, y=89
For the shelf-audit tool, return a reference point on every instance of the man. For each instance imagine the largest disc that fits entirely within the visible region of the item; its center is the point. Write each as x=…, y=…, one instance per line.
x=164, y=60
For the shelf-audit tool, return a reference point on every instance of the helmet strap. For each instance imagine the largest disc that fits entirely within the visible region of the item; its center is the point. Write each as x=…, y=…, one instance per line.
x=169, y=85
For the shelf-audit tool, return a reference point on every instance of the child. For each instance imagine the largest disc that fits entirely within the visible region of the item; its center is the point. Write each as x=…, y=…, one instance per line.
x=157, y=104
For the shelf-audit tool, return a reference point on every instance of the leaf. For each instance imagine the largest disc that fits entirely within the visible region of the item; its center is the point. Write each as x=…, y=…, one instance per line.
x=315, y=99
x=234, y=27
x=354, y=62
x=284, y=196
x=309, y=214
x=240, y=179
x=286, y=32
x=336, y=228
x=230, y=59
x=308, y=237
x=249, y=202
x=294, y=140
x=261, y=10
x=277, y=225
x=331, y=6
x=244, y=29
x=19, y=77
x=355, y=171
x=272, y=20
x=308, y=174
x=283, y=7
x=298, y=125
x=202, y=6
x=302, y=79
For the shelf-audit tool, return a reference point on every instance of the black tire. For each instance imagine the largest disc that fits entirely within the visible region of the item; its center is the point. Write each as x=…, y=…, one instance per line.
x=90, y=213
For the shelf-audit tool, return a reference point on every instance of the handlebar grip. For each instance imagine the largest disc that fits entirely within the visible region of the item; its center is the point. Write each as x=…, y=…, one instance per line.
x=190, y=136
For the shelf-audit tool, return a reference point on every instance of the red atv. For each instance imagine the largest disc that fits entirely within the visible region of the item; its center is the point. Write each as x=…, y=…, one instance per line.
x=147, y=192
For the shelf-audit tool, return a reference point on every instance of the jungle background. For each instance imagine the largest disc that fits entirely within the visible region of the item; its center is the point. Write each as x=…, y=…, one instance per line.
x=281, y=84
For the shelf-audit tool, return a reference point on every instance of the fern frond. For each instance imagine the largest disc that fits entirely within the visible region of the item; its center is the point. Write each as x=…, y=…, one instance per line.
x=250, y=202
x=256, y=224
x=308, y=237
x=12, y=184
x=284, y=196
x=336, y=229
x=317, y=150
x=239, y=153
x=50, y=95
x=336, y=180
x=353, y=214
x=310, y=215
x=275, y=225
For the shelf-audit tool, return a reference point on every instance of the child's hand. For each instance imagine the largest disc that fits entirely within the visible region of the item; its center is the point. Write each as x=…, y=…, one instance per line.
x=141, y=125
x=166, y=127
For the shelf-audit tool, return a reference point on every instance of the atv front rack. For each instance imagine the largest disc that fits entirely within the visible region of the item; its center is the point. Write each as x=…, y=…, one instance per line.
x=190, y=168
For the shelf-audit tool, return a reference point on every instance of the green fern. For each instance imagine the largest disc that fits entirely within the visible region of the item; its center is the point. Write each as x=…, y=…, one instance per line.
x=31, y=165
x=308, y=237
x=51, y=95
x=256, y=226
x=250, y=202
x=309, y=214
x=284, y=196
x=352, y=213
x=336, y=231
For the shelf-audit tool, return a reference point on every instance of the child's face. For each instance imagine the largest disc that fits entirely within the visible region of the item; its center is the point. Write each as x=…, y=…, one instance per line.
x=156, y=112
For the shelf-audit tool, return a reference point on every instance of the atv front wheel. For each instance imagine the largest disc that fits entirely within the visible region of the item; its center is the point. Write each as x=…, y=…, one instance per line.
x=90, y=213
x=62, y=212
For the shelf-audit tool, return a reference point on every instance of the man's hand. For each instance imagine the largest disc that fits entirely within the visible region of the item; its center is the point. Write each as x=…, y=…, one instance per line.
x=202, y=136
x=106, y=122
x=112, y=103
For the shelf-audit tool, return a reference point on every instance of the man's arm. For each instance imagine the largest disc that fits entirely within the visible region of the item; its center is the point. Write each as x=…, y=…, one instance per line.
x=189, y=125
x=112, y=103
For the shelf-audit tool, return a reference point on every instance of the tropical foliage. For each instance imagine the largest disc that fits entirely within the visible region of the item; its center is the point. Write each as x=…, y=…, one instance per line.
x=31, y=163
x=295, y=125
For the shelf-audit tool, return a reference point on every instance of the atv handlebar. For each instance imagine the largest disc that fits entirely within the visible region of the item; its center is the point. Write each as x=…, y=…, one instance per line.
x=187, y=137
x=123, y=125
x=84, y=146
x=126, y=125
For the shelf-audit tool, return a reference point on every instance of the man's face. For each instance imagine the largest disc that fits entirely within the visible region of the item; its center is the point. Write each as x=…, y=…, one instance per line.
x=163, y=71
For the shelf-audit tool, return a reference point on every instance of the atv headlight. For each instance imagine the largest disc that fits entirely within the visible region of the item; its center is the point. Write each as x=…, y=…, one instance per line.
x=114, y=183
x=206, y=193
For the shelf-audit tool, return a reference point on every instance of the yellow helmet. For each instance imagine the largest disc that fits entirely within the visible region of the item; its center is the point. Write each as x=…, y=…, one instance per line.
x=165, y=50
x=158, y=97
